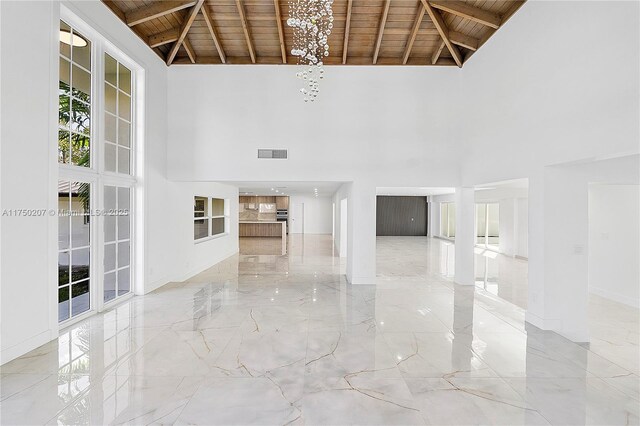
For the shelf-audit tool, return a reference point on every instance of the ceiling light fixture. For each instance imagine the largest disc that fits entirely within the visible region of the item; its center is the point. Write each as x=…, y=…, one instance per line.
x=74, y=40
x=312, y=22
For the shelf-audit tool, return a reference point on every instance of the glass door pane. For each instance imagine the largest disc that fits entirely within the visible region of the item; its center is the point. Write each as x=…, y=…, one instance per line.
x=74, y=251
x=444, y=220
x=481, y=223
x=117, y=241
x=118, y=116
x=74, y=98
x=452, y=220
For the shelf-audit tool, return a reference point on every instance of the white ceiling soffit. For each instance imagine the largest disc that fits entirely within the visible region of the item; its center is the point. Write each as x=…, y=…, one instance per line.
x=414, y=191
x=288, y=188
x=511, y=184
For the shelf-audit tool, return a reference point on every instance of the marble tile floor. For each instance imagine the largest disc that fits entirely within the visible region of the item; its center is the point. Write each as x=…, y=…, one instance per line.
x=284, y=340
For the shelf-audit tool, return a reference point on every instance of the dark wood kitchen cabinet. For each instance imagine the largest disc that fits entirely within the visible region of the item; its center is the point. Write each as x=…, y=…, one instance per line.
x=282, y=203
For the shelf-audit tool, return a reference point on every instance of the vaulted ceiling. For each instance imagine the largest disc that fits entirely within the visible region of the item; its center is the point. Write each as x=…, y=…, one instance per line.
x=366, y=32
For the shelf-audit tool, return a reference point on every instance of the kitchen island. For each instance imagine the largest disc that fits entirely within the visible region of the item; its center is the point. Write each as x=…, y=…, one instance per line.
x=263, y=228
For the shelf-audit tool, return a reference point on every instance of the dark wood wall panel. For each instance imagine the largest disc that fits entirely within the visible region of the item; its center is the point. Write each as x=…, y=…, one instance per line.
x=401, y=216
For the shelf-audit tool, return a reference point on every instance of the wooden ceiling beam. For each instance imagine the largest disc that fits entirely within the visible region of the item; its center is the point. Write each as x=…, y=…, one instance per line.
x=347, y=27
x=332, y=60
x=214, y=34
x=245, y=28
x=467, y=11
x=184, y=29
x=190, y=52
x=383, y=21
x=436, y=54
x=164, y=37
x=438, y=22
x=283, y=47
x=463, y=40
x=513, y=8
x=156, y=10
x=413, y=34
x=115, y=9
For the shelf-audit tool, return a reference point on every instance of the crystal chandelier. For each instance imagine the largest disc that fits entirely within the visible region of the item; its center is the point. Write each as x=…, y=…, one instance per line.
x=312, y=22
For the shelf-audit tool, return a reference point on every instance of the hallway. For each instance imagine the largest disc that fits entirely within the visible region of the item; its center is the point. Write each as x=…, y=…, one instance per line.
x=271, y=338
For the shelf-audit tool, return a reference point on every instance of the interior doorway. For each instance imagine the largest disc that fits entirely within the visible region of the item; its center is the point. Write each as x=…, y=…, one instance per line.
x=501, y=239
x=488, y=225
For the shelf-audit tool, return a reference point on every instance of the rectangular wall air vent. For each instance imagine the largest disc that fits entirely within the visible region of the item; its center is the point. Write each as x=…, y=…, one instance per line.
x=272, y=153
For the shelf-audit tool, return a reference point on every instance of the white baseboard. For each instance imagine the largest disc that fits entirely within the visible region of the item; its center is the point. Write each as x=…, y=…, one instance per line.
x=555, y=325
x=186, y=275
x=542, y=323
x=26, y=346
x=148, y=288
x=361, y=280
x=195, y=271
x=616, y=297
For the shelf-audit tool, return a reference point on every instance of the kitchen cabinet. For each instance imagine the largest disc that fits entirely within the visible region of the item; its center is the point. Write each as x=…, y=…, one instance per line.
x=263, y=199
x=282, y=203
x=262, y=229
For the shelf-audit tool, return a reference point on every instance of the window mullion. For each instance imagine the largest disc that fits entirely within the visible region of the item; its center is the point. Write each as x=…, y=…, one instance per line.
x=210, y=213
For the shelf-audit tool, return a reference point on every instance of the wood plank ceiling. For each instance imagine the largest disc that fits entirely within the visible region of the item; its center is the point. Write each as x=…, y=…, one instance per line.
x=366, y=32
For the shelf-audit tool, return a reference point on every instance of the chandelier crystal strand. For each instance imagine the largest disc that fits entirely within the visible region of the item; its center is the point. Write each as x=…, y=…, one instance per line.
x=312, y=22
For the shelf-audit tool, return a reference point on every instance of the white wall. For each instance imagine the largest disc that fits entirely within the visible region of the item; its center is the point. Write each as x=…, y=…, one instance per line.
x=614, y=242
x=30, y=244
x=187, y=256
x=352, y=131
x=28, y=303
x=318, y=214
x=552, y=101
x=28, y=278
x=536, y=98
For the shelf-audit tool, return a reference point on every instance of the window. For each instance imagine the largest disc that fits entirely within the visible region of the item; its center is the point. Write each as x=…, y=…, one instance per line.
x=210, y=217
x=74, y=90
x=201, y=217
x=448, y=220
x=117, y=242
x=488, y=225
x=74, y=248
x=217, y=216
x=94, y=163
x=117, y=116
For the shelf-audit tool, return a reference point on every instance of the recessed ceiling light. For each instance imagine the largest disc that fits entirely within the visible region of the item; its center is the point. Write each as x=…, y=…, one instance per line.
x=272, y=189
x=72, y=39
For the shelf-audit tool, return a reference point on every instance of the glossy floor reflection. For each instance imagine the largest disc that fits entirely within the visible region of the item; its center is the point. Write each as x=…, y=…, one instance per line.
x=504, y=276
x=282, y=339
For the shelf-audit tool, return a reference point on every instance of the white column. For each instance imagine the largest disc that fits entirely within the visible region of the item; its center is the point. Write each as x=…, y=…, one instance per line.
x=361, y=229
x=558, y=253
x=535, y=281
x=465, y=224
